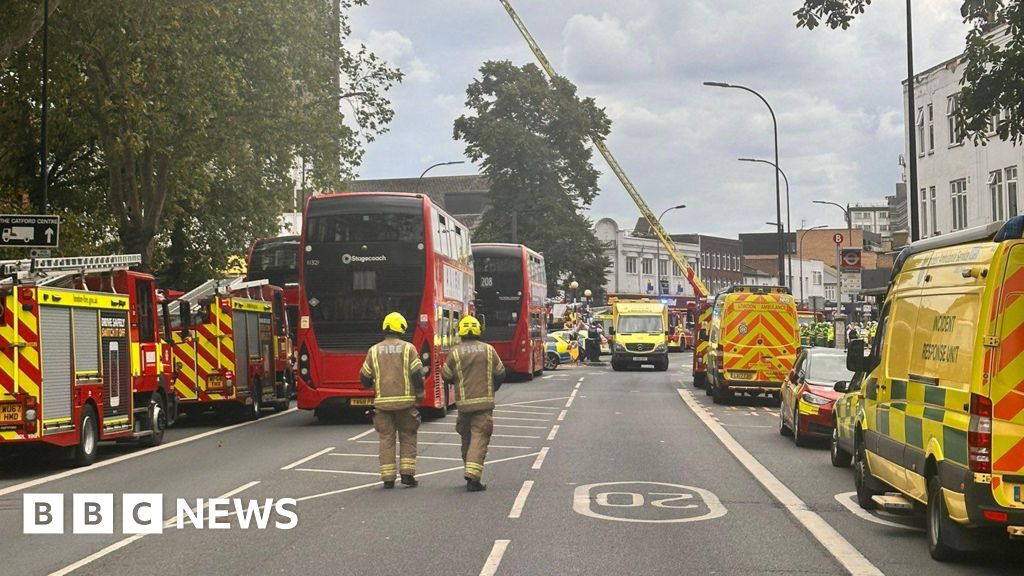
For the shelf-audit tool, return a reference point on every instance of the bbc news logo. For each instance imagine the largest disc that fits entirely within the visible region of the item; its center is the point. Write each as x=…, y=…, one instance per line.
x=144, y=514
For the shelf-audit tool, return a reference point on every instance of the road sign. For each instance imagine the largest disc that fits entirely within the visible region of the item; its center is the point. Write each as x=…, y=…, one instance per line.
x=29, y=231
x=851, y=260
x=838, y=238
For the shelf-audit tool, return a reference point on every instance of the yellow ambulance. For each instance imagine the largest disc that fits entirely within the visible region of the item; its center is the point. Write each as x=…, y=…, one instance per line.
x=639, y=334
x=940, y=428
x=752, y=342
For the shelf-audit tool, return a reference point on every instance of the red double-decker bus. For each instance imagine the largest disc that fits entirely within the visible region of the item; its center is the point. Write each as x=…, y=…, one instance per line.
x=365, y=255
x=510, y=290
x=277, y=261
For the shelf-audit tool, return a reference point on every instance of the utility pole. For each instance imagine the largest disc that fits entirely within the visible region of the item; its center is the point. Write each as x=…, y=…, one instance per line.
x=44, y=165
x=911, y=107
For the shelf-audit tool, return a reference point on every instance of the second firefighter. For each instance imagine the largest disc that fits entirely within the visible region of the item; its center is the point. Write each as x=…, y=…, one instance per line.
x=477, y=372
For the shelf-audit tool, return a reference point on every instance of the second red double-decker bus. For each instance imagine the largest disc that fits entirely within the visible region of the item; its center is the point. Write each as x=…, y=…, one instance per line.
x=365, y=255
x=277, y=261
x=510, y=290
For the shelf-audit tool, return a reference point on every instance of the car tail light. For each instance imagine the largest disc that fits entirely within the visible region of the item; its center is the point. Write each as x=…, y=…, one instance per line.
x=979, y=435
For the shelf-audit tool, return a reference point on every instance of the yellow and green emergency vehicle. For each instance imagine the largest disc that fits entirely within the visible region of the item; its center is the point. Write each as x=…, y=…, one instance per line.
x=939, y=424
x=640, y=334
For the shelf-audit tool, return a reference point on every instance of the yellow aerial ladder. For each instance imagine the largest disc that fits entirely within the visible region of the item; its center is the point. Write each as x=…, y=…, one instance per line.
x=691, y=276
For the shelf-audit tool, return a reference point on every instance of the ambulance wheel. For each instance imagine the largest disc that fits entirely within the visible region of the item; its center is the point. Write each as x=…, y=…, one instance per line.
x=552, y=361
x=662, y=365
x=862, y=477
x=88, y=437
x=709, y=385
x=157, y=421
x=618, y=366
x=840, y=458
x=940, y=526
x=720, y=396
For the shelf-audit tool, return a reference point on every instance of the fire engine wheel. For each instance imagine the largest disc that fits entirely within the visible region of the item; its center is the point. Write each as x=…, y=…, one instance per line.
x=157, y=421
x=88, y=437
x=256, y=396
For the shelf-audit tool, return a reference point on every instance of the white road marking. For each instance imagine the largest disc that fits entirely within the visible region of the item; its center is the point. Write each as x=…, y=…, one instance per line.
x=746, y=425
x=125, y=542
x=584, y=498
x=554, y=430
x=307, y=458
x=376, y=456
x=494, y=558
x=524, y=493
x=561, y=415
x=548, y=377
x=533, y=402
x=522, y=419
x=572, y=397
x=492, y=435
x=521, y=426
x=503, y=410
x=337, y=471
x=455, y=444
x=848, y=501
x=144, y=452
x=421, y=475
x=845, y=553
x=361, y=435
x=540, y=458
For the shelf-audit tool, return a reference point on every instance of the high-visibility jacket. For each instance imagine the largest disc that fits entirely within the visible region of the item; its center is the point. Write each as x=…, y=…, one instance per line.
x=393, y=368
x=477, y=372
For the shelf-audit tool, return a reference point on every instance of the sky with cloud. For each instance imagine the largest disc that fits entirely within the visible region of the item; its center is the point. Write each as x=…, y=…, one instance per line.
x=837, y=95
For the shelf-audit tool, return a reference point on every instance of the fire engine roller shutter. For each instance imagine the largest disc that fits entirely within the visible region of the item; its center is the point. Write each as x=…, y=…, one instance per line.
x=241, y=337
x=87, y=341
x=252, y=327
x=116, y=368
x=55, y=354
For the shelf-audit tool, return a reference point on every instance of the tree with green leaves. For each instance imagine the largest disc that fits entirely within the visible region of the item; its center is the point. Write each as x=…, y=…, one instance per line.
x=531, y=136
x=190, y=117
x=993, y=80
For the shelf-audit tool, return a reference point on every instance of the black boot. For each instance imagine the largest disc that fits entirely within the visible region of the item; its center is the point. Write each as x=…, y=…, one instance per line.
x=389, y=484
x=474, y=485
x=409, y=480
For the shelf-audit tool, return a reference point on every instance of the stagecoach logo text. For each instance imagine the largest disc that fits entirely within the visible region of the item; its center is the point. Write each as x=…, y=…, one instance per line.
x=348, y=258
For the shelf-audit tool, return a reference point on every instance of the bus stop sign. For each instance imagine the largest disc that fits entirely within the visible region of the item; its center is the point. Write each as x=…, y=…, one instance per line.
x=29, y=231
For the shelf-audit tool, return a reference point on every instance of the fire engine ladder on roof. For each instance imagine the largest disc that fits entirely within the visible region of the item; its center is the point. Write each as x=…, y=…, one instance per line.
x=691, y=276
x=215, y=287
x=50, y=271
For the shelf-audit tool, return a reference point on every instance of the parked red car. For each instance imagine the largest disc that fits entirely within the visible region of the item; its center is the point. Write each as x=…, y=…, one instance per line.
x=809, y=395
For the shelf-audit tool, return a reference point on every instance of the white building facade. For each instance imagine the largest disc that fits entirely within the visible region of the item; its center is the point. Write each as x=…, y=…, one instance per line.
x=638, y=262
x=808, y=279
x=960, y=184
x=873, y=217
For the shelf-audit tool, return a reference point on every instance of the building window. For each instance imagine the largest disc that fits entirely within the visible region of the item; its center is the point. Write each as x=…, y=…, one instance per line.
x=931, y=129
x=648, y=266
x=662, y=268
x=934, y=204
x=816, y=278
x=1011, y=192
x=995, y=191
x=630, y=264
x=924, y=213
x=958, y=194
x=956, y=136
x=920, y=132
x=675, y=270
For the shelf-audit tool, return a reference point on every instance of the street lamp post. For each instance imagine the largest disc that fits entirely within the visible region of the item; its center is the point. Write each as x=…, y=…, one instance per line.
x=657, y=261
x=778, y=185
x=800, y=255
x=789, y=229
x=849, y=242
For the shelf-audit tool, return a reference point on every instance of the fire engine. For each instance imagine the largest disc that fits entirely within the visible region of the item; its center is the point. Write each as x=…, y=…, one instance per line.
x=231, y=347
x=85, y=357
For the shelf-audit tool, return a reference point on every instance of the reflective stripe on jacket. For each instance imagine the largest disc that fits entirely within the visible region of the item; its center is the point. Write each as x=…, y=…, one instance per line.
x=396, y=372
x=477, y=371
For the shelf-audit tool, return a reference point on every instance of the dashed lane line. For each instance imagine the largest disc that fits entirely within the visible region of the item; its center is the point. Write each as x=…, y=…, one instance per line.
x=492, y=435
x=418, y=457
x=554, y=430
x=540, y=458
x=361, y=435
x=532, y=402
x=494, y=558
x=132, y=455
x=307, y=458
x=832, y=541
x=459, y=444
x=357, y=473
x=561, y=415
x=520, y=502
x=535, y=413
x=522, y=419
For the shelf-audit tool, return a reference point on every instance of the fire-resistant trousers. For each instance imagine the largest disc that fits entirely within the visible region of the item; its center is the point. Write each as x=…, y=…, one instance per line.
x=401, y=423
x=475, y=428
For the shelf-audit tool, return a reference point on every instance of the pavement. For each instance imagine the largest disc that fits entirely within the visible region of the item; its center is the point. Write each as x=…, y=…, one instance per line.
x=590, y=472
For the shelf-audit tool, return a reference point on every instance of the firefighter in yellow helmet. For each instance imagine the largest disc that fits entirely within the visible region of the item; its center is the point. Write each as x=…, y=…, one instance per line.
x=477, y=372
x=393, y=370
